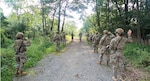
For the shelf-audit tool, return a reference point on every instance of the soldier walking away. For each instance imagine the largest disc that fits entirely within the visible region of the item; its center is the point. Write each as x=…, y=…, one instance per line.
x=63, y=38
x=87, y=35
x=104, y=46
x=72, y=35
x=95, y=42
x=20, y=52
x=117, y=58
x=80, y=36
x=57, y=41
x=90, y=37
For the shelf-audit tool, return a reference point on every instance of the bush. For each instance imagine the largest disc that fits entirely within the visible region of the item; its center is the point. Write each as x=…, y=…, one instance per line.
x=39, y=47
x=138, y=55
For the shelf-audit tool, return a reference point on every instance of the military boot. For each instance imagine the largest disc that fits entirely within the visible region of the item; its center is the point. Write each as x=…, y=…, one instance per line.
x=100, y=62
x=17, y=71
x=94, y=50
x=122, y=78
x=114, y=78
x=23, y=73
x=107, y=63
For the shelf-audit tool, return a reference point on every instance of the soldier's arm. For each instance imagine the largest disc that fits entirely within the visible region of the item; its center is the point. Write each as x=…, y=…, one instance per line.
x=101, y=41
x=129, y=39
x=27, y=43
x=111, y=45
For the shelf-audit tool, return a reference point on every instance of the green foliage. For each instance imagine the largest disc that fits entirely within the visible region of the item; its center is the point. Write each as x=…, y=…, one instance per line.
x=139, y=56
x=39, y=48
x=5, y=42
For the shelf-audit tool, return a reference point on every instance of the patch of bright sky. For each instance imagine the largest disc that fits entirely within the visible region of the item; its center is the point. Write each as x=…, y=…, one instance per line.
x=5, y=9
x=79, y=23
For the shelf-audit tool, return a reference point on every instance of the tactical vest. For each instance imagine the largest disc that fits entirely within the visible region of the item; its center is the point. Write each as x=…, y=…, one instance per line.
x=17, y=45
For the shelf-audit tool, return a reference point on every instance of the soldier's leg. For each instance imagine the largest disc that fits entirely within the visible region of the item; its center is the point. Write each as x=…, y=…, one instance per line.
x=115, y=68
x=107, y=58
x=18, y=64
x=23, y=59
x=58, y=46
x=122, y=68
x=114, y=78
x=100, y=58
x=96, y=48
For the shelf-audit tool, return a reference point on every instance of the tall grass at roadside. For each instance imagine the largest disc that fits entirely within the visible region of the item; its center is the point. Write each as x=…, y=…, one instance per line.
x=138, y=55
x=39, y=47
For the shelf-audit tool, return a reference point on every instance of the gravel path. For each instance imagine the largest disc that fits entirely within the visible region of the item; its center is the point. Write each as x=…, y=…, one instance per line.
x=77, y=63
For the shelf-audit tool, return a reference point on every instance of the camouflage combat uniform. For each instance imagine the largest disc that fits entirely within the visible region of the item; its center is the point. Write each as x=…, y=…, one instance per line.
x=20, y=49
x=117, y=58
x=95, y=42
x=90, y=37
x=57, y=41
x=87, y=35
x=104, y=46
x=72, y=35
x=64, y=38
x=80, y=36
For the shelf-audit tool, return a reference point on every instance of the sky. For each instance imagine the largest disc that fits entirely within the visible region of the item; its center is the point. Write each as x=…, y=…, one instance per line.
x=79, y=23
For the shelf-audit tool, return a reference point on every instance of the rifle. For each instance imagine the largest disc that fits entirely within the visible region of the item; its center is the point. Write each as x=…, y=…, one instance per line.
x=19, y=48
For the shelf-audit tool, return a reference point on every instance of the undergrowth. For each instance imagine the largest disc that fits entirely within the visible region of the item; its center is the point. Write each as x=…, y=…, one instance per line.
x=39, y=47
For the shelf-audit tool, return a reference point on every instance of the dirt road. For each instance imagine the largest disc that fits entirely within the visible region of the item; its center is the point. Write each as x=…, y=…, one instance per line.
x=77, y=63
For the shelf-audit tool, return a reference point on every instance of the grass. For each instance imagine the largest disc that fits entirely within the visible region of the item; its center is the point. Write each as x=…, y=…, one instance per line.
x=38, y=49
x=138, y=55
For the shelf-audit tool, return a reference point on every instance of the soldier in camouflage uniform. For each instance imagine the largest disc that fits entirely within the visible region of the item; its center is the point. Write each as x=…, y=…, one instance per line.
x=104, y=46
x=117, y=58
x=63, y=38
x=72, y=35
x=80, y=36
x=20, y=49
x=87, y=35
x=90, y=37
x=95, y=42
x=57, y=41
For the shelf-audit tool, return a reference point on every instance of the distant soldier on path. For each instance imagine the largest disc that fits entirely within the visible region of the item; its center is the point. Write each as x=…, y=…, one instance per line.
x=72, y=35
x=63, y=38
x=104, y=46
x=20, y=55
x=95, y=42
x=87, y=36
x=80, y=36
x=57, y=41
x=90, y=37
x=117, y=58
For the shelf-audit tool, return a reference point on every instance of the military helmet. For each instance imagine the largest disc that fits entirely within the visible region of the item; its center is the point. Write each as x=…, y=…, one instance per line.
x=19, y=35
x=109, y=33
x=105, y=31
x=120, y=31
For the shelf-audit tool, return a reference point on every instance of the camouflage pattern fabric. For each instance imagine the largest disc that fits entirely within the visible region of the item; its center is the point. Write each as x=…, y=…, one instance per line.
x=80, y=36
x=104, y=47
x=21, y=57
x=57, y=41
x=117, y=58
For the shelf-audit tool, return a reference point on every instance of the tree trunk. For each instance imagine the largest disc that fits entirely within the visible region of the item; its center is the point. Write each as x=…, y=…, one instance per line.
x=63, y=22
x=126, y=14
x=64, y=16
x=108, y=11
x=43, y=20
x=138, y=22
x=59, y=15
x=98, y=15
x=51, y=28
